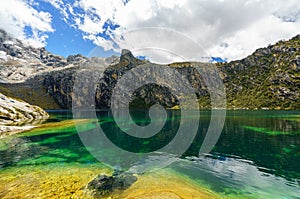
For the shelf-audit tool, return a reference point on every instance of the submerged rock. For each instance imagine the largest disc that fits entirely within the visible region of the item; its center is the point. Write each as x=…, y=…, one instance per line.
x=17, y=115
x=104, y=185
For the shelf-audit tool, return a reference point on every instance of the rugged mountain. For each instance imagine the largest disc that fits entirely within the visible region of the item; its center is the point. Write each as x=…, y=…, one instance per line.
x=19, y=61
x=60, y=85
x=267, y=79
x=23, y=69
x=256, y=90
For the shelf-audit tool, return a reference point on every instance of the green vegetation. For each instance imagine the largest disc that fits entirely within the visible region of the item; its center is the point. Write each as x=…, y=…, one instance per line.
x=32, y=92
x=269, y=78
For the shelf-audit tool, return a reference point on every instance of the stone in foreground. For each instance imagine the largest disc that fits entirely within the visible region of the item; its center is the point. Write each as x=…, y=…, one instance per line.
x=103, y=185
x=17, y=115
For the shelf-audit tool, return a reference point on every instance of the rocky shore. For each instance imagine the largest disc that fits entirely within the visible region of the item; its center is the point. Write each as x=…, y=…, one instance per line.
x=17, y=116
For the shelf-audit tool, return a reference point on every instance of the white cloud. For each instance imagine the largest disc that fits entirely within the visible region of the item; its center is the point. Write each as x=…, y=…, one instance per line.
x=266, y=31
x=61, y=6
x=230, y=29
x=243, y=25
x=16, y=15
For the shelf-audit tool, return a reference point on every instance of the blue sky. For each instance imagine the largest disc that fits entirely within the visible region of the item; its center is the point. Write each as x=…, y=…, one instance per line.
x=225, y=30
x=66, y=40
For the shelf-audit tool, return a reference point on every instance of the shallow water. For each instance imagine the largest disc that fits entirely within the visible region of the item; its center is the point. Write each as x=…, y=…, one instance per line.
x=256, y=156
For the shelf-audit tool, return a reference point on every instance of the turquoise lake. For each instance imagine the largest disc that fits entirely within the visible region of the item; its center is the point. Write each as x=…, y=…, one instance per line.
x=256, y=156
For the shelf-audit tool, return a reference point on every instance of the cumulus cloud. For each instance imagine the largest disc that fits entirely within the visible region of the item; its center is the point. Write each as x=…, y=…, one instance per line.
x=61, y=6
x=230, y=29
x=16, y=16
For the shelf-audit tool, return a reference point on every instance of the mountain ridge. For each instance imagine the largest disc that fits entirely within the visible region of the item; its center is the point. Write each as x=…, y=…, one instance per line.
x=270, y=77
x=267, y=79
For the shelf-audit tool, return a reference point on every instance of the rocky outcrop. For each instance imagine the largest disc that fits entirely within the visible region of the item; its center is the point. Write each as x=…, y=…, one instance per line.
x=103, y=185
x=16, y=115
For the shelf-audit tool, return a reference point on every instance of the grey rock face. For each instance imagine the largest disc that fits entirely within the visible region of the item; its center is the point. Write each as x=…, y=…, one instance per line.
x=19, y=61
x=60, y=84
x=14, y=114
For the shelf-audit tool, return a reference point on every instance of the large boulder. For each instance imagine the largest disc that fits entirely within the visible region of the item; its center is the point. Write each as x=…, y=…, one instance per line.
x=17, y=115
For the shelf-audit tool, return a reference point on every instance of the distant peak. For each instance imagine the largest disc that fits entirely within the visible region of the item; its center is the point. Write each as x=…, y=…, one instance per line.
x=126, y=55
x=125, y=52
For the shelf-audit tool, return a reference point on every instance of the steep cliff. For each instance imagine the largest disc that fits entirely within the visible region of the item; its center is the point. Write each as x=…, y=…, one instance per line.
x=267, y=79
